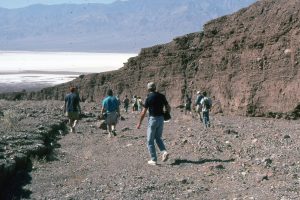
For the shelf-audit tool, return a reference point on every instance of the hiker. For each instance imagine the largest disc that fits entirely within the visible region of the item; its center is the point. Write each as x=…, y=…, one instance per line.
x=134, y=103
x=188, y=104
x=206, y=104
x=118, y=99
x=155, y=103
x=140, y=103
x=72, y=108
x=110, y=109
x=198, y=105
x=126, y=103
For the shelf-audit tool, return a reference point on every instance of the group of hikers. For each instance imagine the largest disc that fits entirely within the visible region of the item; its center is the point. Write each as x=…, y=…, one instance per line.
x=156, y=105
x=203, y=105
x=136, y=102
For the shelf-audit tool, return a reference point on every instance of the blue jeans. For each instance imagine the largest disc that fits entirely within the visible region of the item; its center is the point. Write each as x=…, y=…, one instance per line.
x=154, y=132
x=206, y=119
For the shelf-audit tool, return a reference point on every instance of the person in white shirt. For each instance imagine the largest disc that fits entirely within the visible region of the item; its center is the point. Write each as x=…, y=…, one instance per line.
x=206, y=106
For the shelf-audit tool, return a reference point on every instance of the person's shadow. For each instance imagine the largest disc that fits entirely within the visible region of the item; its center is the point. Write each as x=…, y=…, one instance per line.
x=199, y=162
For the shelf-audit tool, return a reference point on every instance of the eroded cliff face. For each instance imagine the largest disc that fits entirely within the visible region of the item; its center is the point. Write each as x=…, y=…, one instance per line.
x=248, y=62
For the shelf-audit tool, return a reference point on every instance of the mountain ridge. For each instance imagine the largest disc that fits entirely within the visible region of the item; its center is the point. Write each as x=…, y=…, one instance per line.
x=117, y=27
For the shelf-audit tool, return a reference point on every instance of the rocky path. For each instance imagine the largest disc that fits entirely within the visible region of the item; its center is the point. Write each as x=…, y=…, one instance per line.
x=237, y=158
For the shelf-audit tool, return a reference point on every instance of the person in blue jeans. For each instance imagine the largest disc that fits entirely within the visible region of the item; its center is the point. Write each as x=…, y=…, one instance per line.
x=155, y=103
x=206, y=106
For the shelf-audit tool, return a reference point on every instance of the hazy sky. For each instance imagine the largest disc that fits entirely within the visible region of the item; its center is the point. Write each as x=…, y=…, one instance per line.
x=23, y=3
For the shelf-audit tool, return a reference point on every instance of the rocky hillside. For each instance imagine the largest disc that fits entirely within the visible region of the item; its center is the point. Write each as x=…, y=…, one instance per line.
x=248, y=62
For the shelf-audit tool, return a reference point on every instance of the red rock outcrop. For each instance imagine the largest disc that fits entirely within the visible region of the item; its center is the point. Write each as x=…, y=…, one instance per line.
x=248, y=62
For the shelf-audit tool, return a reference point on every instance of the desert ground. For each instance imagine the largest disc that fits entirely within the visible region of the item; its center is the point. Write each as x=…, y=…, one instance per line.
x=236, y=158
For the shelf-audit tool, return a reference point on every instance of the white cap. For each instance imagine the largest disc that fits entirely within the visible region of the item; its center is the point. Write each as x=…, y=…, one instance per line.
x=151, y=86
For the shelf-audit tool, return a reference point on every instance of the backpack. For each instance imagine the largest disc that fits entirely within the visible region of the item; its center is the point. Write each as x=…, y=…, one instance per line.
x=207, y=103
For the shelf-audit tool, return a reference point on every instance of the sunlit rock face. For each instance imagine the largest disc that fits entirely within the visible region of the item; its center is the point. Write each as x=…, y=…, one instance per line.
x=248, y=62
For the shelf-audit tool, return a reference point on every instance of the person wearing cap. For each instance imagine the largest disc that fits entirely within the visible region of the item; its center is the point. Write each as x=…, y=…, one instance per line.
x=155, y=103
x=110, y=106
x=198, y=105
x=72, y=108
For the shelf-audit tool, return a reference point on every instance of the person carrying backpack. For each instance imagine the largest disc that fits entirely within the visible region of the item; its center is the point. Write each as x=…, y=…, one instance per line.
x=206, y=104
x=198, y=105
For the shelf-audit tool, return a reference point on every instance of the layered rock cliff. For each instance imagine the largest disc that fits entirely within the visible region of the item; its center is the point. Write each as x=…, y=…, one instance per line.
x=248, y=62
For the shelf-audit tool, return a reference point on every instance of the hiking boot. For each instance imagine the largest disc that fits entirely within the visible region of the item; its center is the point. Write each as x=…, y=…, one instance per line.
x=72, y=130
x=152, y=162
x=114, y=133
x=165, y=156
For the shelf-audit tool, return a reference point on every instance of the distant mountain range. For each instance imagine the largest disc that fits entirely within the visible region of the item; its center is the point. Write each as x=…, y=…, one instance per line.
x=123, y=26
